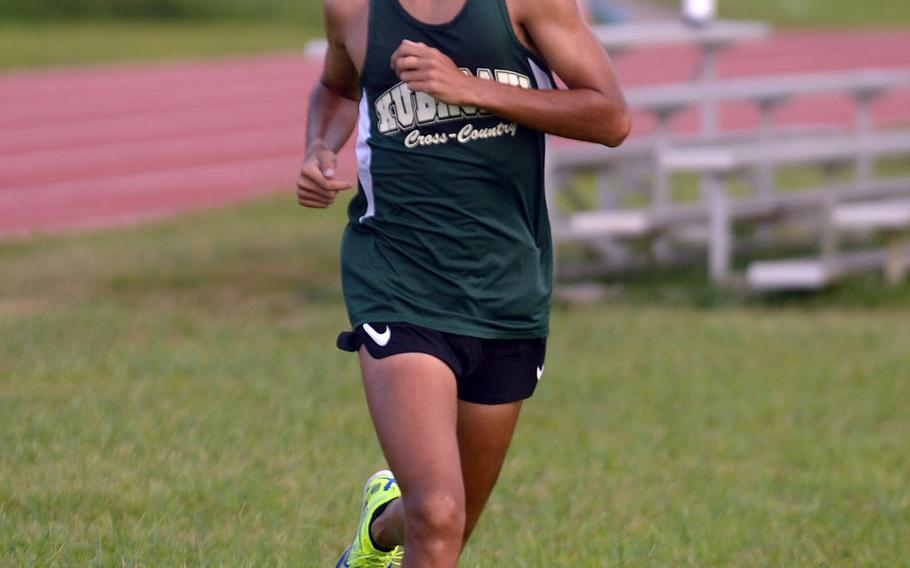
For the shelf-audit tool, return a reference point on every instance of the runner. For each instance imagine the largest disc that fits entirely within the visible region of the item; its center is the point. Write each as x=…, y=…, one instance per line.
x=446, y=259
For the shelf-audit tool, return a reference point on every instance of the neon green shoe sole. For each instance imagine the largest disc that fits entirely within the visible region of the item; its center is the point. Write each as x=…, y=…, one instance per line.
x=380, y=489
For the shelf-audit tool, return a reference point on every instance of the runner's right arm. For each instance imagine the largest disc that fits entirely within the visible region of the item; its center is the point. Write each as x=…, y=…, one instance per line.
x=331, y=119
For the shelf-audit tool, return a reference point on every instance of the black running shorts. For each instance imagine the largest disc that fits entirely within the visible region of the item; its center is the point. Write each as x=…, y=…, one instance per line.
x=488, y=371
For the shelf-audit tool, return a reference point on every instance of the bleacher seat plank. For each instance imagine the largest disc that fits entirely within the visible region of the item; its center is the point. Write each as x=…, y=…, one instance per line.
x=617, y=38
x=711, y=158
x=857, y=83
x=805, y=274
x=814, y=273
x=617, y=223
x=887, y=215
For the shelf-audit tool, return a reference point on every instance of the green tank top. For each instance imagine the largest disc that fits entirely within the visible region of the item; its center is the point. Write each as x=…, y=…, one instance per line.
x=449, y=228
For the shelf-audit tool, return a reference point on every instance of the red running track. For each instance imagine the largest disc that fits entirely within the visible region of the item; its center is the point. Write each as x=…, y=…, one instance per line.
x=104, y=146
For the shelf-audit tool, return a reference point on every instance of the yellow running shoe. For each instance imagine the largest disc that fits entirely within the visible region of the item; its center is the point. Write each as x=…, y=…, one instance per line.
x=380, y=489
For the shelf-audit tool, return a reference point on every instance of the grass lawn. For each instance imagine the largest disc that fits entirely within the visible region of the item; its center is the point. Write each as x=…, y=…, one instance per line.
x=803, y=13
x=35, y=44
x=170, y=395
x=31, y=45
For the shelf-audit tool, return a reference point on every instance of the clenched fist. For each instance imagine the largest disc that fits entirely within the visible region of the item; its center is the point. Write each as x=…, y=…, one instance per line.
x=430, y=71
x=316, y=186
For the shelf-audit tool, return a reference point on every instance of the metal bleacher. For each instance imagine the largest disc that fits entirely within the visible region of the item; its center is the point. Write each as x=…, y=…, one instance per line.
x=851, y=200
x=722, y=213
x=890, y=217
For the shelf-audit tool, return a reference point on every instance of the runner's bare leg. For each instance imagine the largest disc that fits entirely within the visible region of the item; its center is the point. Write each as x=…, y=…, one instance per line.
x=484, y=434
x=413, y=401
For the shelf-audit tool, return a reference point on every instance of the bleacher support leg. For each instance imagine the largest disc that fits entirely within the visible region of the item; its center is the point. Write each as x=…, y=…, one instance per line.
x=661, y=250
x=720, y=248
x=896, y=264
x=764, y=173
x=829, y=237
x=707, y=73
x=864, y=128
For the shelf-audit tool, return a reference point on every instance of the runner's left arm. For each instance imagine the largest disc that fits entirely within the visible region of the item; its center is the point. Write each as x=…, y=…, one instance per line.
x=592, y=108
x=331, y=119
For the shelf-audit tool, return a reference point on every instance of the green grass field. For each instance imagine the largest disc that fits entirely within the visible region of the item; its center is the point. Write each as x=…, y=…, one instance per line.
x=36, y=43
x=813, y=13
x=170, y=395
x=55, y=44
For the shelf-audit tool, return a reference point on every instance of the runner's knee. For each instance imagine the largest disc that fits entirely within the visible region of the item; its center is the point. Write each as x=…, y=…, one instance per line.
x=435, y=515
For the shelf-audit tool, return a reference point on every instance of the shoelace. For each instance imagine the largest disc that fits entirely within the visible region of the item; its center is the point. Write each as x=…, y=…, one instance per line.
x=391, y=559
x=395, y=556
x=369, y=562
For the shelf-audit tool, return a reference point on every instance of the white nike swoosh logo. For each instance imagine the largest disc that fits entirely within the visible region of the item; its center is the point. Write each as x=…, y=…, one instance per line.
x=539, y=372
x=381, y=339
